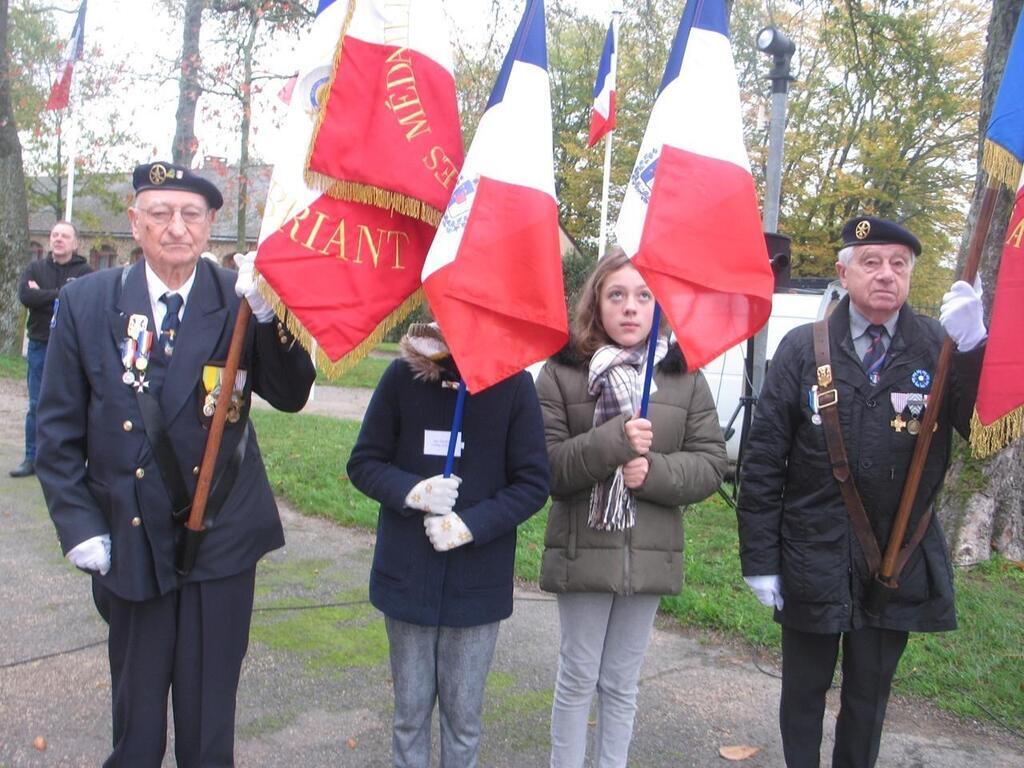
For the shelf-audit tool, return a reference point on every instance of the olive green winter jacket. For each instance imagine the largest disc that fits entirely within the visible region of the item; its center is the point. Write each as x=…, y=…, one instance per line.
x=687, y=461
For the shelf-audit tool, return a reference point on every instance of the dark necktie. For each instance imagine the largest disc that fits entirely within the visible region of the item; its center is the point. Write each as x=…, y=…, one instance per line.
x=169, y=327
x=875, y=355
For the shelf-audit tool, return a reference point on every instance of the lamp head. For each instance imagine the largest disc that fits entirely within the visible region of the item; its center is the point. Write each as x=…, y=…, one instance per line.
x=775, y=42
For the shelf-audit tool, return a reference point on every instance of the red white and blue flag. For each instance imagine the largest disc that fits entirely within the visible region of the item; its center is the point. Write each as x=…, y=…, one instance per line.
x=493, y=276
x=602, y=117
x=60, y=94
x=689, y=218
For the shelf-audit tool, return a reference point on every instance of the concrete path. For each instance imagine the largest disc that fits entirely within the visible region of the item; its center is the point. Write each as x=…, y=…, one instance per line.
x=315, y=689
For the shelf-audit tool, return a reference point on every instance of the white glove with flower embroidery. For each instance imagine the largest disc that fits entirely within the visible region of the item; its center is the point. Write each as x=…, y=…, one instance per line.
x=436, y=495
x=446, y=531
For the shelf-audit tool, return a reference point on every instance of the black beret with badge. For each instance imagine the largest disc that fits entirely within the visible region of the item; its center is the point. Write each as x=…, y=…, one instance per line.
x=164, y=175
x=869, y=230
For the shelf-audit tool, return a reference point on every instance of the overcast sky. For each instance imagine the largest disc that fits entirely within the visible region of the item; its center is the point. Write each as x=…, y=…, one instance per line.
x=132, y=29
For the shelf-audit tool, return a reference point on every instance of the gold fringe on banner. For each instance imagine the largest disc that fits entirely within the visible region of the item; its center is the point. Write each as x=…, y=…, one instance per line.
x=988, y=440
x=334, y=369
x=393, y=202
x=1001, y=165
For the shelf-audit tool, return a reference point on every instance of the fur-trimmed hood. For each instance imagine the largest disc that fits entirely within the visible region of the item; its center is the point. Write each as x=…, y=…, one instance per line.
x=673, y=362
x=424, y=349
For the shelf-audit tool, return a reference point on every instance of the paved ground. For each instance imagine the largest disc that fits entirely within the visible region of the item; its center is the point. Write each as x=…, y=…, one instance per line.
x=315, y=689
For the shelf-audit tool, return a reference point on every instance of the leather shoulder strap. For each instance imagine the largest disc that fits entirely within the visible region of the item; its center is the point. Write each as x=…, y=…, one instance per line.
x=826, y=401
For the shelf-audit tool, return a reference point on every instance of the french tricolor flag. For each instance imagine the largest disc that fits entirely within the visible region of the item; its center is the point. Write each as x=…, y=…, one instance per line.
x=689, y=218
x=60, y=94
x=602, y=117
x=493, y=275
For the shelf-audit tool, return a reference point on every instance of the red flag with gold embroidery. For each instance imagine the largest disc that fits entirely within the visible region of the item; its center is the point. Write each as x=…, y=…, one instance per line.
x=1000, y=403
x=343, y=267
x=389, y=134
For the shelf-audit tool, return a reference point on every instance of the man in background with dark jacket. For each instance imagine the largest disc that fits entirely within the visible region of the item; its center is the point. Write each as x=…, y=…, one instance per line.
x=803, y=549
x=37, y=289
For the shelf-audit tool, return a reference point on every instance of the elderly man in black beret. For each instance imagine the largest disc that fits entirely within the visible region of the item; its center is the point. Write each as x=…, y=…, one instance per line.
x=809, y=537
x=133, y=367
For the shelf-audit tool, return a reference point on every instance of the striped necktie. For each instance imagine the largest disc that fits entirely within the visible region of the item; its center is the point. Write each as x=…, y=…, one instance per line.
x=875, y=355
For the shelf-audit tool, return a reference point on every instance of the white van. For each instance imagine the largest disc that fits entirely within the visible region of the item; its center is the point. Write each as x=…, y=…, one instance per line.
x=725, y=374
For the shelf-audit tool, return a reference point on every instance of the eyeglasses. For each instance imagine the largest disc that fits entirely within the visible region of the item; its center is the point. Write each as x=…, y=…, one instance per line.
x=162, y=217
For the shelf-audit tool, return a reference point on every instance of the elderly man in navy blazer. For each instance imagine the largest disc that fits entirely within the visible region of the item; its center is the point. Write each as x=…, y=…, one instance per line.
x=133, y=368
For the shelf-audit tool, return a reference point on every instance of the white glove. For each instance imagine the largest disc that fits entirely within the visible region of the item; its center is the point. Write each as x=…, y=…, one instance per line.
x=245, y=287
x=446, y=531
x=767, y=589
x=92, y=554
x=962, y=315
x=435, y=495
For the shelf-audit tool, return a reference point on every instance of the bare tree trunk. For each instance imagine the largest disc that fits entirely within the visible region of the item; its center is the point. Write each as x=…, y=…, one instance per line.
x=184, y=148
x=13, y=207
x=982, y=508
x=243, y=154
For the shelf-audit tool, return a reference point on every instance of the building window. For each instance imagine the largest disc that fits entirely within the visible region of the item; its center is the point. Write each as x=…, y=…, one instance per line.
x=35, y=250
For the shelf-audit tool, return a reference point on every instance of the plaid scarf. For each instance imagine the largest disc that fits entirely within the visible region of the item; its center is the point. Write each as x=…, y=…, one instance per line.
x=616, y=379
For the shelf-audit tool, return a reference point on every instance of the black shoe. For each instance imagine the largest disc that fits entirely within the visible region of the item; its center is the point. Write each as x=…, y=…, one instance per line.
x=26, y=468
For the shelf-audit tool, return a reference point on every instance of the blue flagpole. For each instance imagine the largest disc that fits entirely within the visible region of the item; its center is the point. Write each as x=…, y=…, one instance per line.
x=652, y=346
x=453, y=439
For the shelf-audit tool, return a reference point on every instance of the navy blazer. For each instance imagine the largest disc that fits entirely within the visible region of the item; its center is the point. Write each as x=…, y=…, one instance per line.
x=95, y=462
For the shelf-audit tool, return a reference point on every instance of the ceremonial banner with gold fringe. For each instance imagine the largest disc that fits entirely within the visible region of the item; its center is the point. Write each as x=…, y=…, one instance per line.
x=999, y=412
x=342, y=269
x=999, y=418
x=389, y=132
x=340, y=273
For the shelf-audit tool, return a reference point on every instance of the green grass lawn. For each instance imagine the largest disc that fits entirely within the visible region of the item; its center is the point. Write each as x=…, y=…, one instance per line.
x=12, y=367
x=366, y=373
x=979, y=667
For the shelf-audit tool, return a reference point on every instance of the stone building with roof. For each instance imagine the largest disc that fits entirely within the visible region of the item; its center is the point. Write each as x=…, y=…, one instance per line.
x=105, y=237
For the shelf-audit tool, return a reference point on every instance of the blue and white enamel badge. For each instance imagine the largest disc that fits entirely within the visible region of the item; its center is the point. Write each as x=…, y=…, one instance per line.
x=921, y=378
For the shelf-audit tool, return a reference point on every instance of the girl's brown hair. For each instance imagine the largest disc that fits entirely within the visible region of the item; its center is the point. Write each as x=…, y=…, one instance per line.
x=588, y=332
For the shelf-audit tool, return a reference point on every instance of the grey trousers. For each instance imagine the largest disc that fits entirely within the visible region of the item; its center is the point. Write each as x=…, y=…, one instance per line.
x=448, y=665
x=604, y=639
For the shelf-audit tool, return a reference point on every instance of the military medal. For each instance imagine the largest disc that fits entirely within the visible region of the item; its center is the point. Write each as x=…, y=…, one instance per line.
x=915, y=403
x=921, y=378
x=136, y=325
x=212, y=383
x=812, y=397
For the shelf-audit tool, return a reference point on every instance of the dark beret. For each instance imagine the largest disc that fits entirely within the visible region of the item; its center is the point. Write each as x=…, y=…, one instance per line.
x=163, y=175
x=869, y=230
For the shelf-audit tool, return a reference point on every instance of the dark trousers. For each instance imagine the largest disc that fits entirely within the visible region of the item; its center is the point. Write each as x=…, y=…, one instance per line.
x=191, y=641
x=35, y=356
x=870, y=657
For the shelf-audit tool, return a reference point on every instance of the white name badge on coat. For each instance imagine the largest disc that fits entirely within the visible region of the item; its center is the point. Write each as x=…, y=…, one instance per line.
x=435, y=443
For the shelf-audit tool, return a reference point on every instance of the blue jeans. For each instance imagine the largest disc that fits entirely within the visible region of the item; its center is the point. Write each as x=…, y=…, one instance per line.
x=35, y=356
x=444, y=664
